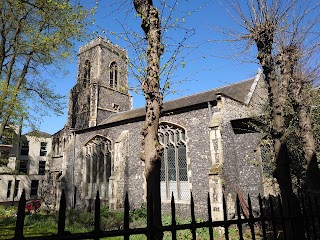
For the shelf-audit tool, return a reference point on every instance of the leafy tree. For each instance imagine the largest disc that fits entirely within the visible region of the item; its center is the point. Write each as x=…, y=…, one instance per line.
x=34, y=34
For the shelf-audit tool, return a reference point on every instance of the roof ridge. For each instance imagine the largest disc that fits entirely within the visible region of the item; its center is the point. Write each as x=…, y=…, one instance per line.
x=213, y=89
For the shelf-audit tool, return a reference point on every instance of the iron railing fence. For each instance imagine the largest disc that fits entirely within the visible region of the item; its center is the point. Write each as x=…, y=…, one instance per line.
x=276, y=218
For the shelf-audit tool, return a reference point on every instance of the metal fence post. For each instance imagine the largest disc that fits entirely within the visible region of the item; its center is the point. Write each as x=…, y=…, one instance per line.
x=62, y=214
x=126, y=218
x=239, y=224
x=210, y=217
x=97, y=216
x=20, y=217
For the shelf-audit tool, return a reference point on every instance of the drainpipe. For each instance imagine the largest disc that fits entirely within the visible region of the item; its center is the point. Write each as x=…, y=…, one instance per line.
x=72, y=168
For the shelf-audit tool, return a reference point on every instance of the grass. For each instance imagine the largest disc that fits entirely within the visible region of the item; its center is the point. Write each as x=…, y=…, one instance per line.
x=78, y=221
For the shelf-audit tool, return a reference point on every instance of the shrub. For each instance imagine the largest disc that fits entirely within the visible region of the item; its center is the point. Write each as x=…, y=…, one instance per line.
x=79, y=220
x=111, y=220
x=7, y=212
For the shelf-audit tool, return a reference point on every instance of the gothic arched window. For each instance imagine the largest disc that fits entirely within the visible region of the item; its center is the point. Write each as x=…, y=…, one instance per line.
x=97, y=166
x=174, y=172
x=113, y=75
x=86, y=73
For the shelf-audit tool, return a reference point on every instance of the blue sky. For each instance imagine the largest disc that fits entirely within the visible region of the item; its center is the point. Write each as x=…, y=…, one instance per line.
x=212, y=63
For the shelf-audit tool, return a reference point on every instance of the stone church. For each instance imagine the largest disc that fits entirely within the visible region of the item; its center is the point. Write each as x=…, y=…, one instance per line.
x=208, y=145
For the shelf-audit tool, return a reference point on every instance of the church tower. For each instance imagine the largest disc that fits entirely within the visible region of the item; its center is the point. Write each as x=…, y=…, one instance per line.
x=102, y=84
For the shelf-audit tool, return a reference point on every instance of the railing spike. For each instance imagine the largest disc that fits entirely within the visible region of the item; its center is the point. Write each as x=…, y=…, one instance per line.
x=20, y=216
x=193, y=218
x=173, y=218
x=274, y=229
x=251, y=217
x=97, y=214
x=210, y=217
x=262, y=216
x=239, y=218
x=282, y=217
x=150, y=224
x=62, y=214
x=225, y=218
x=126, y=219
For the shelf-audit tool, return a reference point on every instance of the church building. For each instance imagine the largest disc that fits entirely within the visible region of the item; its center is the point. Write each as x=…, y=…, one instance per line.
x=208, y=145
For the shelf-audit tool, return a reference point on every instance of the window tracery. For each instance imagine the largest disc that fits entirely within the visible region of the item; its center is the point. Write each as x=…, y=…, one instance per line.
x=97, y=162
x=114, y=75
x=174, y=170
x=86, y=74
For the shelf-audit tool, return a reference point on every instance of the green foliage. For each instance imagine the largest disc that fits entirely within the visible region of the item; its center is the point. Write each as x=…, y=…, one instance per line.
x=78, y=221
x=111, y=220
x=291, y=137
x=7, y=212
x=35, y=34
x=138, y=217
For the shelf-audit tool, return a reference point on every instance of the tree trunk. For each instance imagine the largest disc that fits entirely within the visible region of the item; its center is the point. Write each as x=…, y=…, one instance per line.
x=288, y=60
x=263, y=35
x=151, y=149
x=309, y=148
x=312, y=181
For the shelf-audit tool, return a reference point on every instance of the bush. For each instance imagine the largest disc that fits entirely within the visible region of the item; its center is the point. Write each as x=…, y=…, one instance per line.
x=78, y=220
x=41, y=221
x=8, y=212
x=111, y=220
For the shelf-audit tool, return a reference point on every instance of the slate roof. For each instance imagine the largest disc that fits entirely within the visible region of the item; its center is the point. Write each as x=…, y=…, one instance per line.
x=237, y=91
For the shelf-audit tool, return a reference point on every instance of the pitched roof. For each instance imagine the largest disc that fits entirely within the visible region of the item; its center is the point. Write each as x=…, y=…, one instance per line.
x=37, y=133
x=237, y=91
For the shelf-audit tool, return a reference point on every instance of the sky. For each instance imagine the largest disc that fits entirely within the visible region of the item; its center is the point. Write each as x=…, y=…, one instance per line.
x=208, y=59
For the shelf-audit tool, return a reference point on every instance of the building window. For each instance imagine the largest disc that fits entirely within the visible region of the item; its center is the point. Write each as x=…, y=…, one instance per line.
x=43, y=148
x=42, y=167
x=113, y=75
x=86, y=74
x=174, y=172
x=23, y=166
x=9, y=188
x=24, y=147
x=34, y=188
x=16, y=188
x=57, y=146
x=97, y=162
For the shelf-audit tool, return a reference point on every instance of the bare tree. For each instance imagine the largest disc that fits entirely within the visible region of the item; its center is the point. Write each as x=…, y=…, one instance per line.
x=273, y=27
x=276, y=28
x=151, y=86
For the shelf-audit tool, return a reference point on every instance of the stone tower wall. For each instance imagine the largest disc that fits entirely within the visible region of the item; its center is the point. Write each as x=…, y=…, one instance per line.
x=92, y=99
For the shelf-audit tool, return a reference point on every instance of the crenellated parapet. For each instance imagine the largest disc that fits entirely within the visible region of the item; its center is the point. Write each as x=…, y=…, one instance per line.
x=106, y=43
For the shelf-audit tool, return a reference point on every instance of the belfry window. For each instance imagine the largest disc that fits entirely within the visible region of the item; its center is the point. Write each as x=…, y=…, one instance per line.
x=86, y=74
x=113, y=75
x=97, y=162
x=174, y=172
